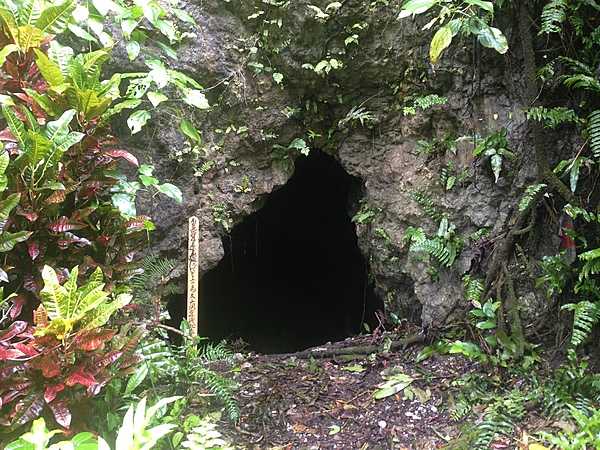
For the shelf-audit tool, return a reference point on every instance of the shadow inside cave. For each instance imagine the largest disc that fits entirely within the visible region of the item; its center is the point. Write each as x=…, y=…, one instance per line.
x=293, y=276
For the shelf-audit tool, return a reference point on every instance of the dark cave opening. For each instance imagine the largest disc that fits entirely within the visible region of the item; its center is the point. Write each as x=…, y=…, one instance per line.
x=293, y=276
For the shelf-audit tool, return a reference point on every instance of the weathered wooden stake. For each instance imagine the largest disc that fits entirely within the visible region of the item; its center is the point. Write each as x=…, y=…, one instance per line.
x=193, y=285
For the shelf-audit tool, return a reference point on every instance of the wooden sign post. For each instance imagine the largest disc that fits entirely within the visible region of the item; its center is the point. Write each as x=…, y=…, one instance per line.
x=193, y=284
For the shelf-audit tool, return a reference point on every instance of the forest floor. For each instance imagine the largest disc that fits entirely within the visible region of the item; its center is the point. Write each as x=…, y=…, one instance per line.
x=295, y=402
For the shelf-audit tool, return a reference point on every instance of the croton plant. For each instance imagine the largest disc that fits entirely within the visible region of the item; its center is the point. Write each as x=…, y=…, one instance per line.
x=68, y=226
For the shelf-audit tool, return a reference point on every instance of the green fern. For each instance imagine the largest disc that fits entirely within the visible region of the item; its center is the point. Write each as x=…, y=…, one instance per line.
x=154, y=272
x=594, y=133
x=591, y=265
x=552, y=117
x=439, y=249
x=442, y=250
x=500, y=419
x=222, y=388
x=529, y=195
x=586, y=315
x=581, y=81
x=553, y=16
x=424, y=102
x=216, y=352
x=206, y=436
x=473, y=288
x=425, y=202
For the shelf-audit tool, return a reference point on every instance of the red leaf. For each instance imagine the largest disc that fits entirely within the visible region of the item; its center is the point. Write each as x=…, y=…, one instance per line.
x=7, y=136
x=94, y=340
x=31, y=284
x=31, y=216
x=15, y=329
x=109, y=359
x=70, y=238
x=17, y=306
x=49, y=366
x=28, y=409
x=80, y=377
x=52, y=391
x=33, y=248
x=10, y=354
x=123, y=154
x=57, y=197
x=103, y=240
x=62, y=414
x=136, y=223
x=10, y=396
x=63, y=224
x=28, y=349
x=91, y=188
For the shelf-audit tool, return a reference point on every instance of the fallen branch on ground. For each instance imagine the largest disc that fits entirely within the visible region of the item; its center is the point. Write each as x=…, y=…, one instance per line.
x=329, y=352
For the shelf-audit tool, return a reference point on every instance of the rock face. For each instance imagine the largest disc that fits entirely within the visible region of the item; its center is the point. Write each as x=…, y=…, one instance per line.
x=259, y=61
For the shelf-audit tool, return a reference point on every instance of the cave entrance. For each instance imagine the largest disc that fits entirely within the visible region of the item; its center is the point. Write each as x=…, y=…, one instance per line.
x=293, y=276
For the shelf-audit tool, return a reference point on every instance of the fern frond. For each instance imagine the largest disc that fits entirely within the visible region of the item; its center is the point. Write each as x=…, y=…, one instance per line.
x=425, y=202
x=215, y=352
x=586, y=315
x=581, y=81
x=153, y=272
x=594, y=133
x=437, y=248
x=575, y=65
x=500, y=420
x=222, y=388
x=553, y=16
x=529, y=195
x=473, y=288
x=552, y=117
x=591, y=265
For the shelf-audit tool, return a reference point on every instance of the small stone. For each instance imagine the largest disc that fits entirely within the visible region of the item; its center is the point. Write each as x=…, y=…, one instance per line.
x=382, y=424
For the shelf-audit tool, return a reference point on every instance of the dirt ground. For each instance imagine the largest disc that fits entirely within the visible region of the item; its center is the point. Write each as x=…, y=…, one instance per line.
x=299, y=402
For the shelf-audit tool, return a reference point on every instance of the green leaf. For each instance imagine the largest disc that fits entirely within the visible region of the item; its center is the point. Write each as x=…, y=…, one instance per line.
x=133, y=49
x=60, y=55
x=81, y=33
x=440, y=42
x=15, y=125
x=493, y=38
x=334, y=429
x=105, y=6
x=486, y=325
x=574, y=174
x=4, y=161
x=58, y=129
x=190, y=131
x=9, y=240
x=7, y=50
x=49, y=69
x=39, y=149
x=488, y=6
x=395, y=384
x=54, y=19
x=414, y=7
x=137, y=120
x=183, y=16
x=278, y=77
x=156, y=98
x=125, y=203
x=171, y=191
x=148, y=181
x=8, y=204
x=136, y=379
x=195, y=98
x=496, y=162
